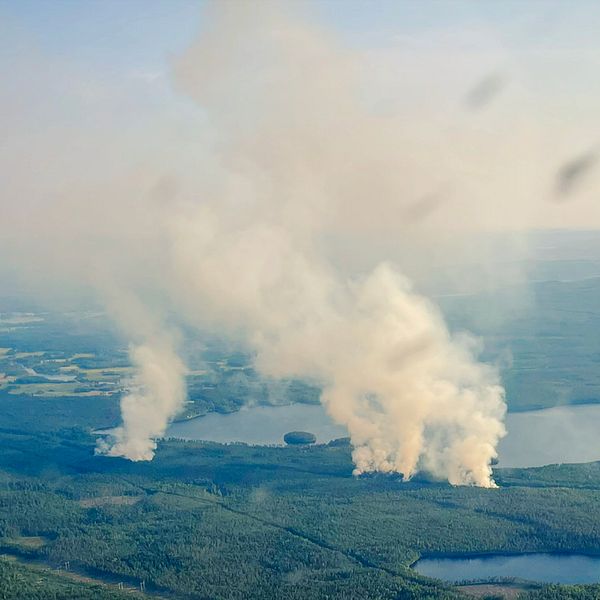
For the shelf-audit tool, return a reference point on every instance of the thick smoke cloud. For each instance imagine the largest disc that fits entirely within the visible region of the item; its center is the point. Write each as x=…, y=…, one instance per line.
x=284, y=189
x=299, y=151
x=410, y=395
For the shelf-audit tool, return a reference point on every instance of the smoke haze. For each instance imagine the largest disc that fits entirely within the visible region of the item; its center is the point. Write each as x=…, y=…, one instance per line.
x=290, y=143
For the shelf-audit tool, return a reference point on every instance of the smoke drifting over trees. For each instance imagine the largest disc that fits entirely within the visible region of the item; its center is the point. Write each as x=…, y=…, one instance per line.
x=223, y=228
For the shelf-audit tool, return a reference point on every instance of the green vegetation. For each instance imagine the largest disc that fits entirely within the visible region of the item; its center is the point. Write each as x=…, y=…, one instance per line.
x=565, y=592
x=545, y=337
x=75, y=368
x=232, y=521
x=20, y=582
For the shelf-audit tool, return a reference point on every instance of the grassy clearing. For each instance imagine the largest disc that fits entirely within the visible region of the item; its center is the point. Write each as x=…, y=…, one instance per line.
x=5, y=380
x=109, y=500
x=28, y=542
x=20, y=355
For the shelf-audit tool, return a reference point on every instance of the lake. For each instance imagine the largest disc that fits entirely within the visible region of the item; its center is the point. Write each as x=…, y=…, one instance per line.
x=547, y=568
x=259, y=425
x=567, y=434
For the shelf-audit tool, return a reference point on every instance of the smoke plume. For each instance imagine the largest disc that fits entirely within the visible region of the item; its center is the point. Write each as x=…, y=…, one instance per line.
x=294, y=150
x=300, y=151
x=156, y=395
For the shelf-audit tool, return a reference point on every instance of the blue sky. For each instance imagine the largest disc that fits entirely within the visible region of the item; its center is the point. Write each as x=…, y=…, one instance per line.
x=107, y=34
x=142, y=33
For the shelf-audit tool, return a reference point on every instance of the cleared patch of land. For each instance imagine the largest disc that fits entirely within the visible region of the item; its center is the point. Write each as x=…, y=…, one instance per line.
x=29, y=542
x=108, y=500
x=509, y=591
x=45, y=389
x=20, y=355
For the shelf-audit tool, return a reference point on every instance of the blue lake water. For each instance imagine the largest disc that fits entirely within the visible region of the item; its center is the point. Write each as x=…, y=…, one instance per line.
x=262, y=425
x=547, y=568
x=566, y=434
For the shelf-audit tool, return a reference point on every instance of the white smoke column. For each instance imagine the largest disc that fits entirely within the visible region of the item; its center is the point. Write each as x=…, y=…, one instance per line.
x=410, y=396
x=157, y=393
x=157, y=390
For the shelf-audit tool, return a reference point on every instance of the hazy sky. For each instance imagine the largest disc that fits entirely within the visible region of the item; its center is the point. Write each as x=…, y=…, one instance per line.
x=135, y=38
x=517, y=83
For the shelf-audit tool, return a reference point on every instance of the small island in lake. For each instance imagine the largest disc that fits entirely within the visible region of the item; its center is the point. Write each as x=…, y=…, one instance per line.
x=299, y=437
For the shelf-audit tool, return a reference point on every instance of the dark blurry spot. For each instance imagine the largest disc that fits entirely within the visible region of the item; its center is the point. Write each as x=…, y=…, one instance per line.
x=570, y=174
x=422, y=208
x=485, y=91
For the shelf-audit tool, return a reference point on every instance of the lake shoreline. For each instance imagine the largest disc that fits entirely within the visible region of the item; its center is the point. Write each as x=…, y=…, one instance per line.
x=565, y=434
x=500, y=553
x=518, y=410
x=494, y=567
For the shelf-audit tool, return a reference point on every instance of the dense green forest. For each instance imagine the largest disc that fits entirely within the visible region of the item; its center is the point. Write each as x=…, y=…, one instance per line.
x=19, y=582
x=232, y=521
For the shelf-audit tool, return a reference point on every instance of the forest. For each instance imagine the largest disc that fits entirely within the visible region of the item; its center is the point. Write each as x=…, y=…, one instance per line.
x=205, y=520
